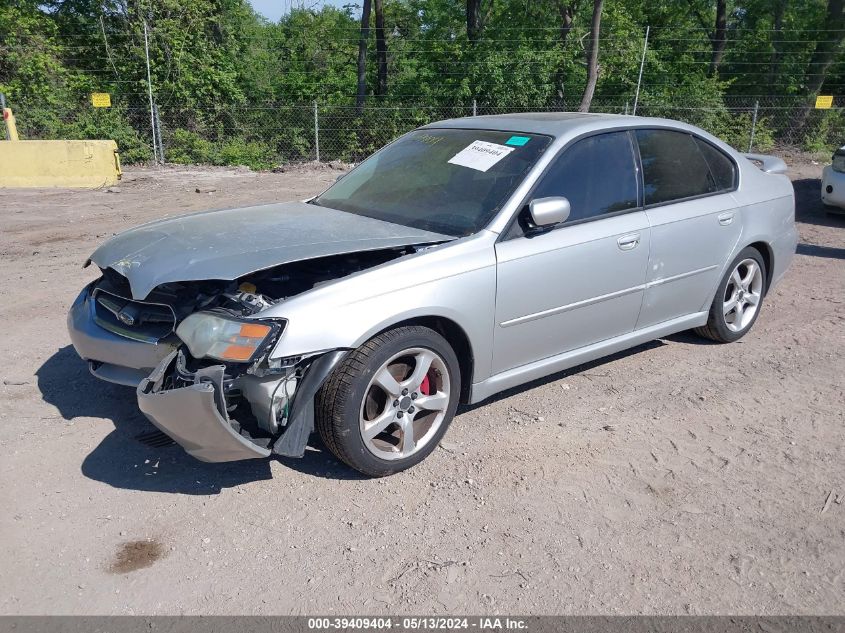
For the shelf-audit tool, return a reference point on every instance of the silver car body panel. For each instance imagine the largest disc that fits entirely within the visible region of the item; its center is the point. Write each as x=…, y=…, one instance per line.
x=113, y=358
x=570, y=288
x=230, y=243
x=192, y=416
x=527, y=306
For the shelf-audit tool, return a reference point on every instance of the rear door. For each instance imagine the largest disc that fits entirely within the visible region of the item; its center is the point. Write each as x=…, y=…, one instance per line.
x=694, y=221
x=581, y=281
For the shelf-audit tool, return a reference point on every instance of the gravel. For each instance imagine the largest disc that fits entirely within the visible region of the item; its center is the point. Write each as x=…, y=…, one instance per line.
x=679, y=477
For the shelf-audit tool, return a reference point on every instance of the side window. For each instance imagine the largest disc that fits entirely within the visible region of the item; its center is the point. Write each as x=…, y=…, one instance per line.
x=721, y=167
x=673, y=166
x=596, y=174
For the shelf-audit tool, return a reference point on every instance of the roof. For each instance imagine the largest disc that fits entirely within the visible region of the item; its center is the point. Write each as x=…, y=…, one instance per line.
x=554, y=123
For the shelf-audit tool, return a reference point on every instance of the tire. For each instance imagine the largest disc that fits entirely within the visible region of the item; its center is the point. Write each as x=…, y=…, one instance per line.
x=744, y=288
x=359, y=398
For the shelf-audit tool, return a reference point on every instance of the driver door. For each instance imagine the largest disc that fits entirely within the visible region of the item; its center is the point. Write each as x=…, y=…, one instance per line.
x=581, y=281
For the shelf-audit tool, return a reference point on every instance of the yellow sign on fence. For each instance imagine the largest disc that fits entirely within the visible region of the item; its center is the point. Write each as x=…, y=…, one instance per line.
x=101, y=99
x=823, y=102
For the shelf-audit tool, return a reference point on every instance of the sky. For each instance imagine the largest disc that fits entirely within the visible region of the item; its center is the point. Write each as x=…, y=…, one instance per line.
x=274, y=9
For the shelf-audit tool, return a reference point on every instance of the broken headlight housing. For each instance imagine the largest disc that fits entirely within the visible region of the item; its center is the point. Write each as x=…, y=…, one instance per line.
x=211, y=335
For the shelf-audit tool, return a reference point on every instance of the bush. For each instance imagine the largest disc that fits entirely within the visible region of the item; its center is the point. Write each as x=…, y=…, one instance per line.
x=188, y=148
x=735, y=130
x=824, y=131
x=252, y=154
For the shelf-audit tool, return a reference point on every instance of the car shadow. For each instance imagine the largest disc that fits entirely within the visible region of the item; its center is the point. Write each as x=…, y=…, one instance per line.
x=574, y=371
x=814, y=250
x=121, y=460
x=809, y=208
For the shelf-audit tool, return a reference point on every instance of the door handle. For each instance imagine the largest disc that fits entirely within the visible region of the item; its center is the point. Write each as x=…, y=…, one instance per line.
x=726, y=218
x=627, y=242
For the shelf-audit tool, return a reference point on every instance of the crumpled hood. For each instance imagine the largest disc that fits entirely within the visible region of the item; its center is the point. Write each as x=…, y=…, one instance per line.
x=230, y=243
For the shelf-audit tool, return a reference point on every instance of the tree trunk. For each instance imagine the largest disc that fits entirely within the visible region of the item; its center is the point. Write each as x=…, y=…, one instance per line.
x=777, y=44
x=567, y=13
x=824, y=55
x=362, y=57
x=719, y=38
x=381, y=50
x=592, y=53
x=473, y=19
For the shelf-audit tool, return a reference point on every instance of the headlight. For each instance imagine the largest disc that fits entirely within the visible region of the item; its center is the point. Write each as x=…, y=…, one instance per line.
x=839, y=162
x=214, y=336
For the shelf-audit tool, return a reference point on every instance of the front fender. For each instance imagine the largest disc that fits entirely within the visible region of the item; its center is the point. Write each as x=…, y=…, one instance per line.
x=458, y=284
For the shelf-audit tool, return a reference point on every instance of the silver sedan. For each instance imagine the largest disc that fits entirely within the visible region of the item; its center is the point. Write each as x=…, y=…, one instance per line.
x=466, y=257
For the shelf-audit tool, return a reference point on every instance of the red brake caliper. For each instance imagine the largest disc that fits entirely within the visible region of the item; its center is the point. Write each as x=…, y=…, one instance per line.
x=425, y=387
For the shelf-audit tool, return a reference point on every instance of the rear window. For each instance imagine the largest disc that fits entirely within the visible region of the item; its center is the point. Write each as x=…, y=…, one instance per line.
x=673, y=166
x=722, y=168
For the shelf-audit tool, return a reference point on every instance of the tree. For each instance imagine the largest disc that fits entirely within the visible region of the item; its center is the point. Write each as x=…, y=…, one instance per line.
x=475, y=19
x=566, y=10
x=718, y=40
x=719, y=37
x=592, y=53
x=381, y=50
x=827, y=47
x=777, y=44
x=361, y=93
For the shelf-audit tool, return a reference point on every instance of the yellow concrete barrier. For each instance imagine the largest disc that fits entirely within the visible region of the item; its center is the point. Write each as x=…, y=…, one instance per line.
x=85, y=164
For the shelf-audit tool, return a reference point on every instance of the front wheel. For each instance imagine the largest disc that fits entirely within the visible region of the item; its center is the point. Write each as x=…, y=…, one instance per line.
x=738, y=299
x=388, y=404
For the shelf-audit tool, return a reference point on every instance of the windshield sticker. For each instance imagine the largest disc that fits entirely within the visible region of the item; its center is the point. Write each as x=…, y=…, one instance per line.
x=480, y=155
x=517, y=141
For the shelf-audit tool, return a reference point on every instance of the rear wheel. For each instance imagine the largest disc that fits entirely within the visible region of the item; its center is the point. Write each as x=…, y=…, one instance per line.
x=388, y=404
x=738, y=299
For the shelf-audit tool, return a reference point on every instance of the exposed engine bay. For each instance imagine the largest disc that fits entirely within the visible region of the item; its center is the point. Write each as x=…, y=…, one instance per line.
x=249, y=294
x=253, y=398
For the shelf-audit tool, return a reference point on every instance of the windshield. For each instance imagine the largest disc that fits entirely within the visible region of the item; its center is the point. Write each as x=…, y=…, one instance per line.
x=444, y=180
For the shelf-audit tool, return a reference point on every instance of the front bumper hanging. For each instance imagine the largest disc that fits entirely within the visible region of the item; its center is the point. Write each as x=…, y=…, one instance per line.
x=193, y=416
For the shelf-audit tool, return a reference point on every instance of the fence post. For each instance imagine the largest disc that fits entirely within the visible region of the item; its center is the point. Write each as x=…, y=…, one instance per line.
x=316, y=132
x=753, y=125
x=642, y=65
x=626, y=108
x=158, y=134
x=150, y=92
x=474, y=108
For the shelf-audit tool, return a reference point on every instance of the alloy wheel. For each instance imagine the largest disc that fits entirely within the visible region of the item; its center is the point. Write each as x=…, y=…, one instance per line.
x=743, y=295
x=405, y=403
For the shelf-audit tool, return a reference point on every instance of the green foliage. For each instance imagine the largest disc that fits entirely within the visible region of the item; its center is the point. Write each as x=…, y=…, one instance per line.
x=252, y=154
x=189, y=148
x=233, y=88
x=825, y=131
x=108, y=123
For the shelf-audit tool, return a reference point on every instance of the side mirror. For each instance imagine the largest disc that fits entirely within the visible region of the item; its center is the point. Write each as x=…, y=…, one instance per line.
x=548, y=211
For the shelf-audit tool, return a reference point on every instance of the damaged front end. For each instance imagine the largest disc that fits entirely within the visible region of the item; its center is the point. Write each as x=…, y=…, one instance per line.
x=203, y=409
x=199, y=355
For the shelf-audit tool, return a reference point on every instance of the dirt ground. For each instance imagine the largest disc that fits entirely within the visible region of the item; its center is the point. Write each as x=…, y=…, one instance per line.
x=679, y=477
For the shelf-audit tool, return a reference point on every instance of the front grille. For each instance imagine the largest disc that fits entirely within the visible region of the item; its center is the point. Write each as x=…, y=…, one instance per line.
x=137, y=320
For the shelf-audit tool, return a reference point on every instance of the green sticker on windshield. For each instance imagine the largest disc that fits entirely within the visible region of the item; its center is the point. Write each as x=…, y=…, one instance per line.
x=518, y=141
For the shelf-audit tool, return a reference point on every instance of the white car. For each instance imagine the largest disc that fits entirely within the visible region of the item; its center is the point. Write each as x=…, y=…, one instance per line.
x=833, y=183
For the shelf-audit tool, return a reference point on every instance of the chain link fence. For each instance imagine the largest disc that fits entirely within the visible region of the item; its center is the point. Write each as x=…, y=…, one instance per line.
x=263, y=136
